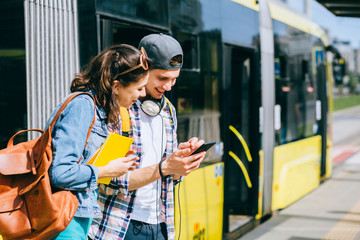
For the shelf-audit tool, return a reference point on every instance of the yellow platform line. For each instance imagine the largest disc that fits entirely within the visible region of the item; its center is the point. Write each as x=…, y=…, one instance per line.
x=348, y=227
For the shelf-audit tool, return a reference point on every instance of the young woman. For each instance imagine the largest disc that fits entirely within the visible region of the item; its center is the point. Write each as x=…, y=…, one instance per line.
x=116, y=78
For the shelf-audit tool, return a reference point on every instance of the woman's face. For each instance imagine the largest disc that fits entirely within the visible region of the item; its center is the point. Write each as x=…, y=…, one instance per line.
x=127, y=95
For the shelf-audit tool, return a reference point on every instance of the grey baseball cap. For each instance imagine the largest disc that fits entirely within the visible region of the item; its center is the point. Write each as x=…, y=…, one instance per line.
x=161, y=48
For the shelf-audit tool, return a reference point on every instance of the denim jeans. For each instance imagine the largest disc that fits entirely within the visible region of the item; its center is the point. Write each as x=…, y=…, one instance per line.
x=145, y=231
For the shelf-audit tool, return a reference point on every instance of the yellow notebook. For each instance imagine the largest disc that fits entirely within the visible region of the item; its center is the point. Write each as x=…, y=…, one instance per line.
x=115, y=146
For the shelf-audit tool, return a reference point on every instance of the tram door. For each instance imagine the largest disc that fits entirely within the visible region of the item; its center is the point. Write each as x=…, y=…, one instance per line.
x=240, y=132
x=322, y=121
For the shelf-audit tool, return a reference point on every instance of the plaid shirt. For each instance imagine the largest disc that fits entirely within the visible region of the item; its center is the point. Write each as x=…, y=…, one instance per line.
x=116, y=202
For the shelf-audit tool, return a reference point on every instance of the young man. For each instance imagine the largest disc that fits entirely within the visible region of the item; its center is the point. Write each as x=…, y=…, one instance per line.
x=140, y=205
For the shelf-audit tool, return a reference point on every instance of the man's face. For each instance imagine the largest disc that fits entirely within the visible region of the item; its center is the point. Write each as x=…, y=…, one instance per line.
x=160, y=81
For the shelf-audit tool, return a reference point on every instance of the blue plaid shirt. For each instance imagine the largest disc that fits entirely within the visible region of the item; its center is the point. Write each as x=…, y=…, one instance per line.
x=116, y=201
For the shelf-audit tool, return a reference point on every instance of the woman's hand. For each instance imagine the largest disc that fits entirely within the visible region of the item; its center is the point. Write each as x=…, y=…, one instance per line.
x=119, y=167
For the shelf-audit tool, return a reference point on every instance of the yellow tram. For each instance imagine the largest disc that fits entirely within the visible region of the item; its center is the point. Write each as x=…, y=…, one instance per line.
x=257, y=79
x=275, y=125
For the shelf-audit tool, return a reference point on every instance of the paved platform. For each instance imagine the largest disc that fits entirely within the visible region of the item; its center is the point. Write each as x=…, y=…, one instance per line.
x=330, y=212
x=346, y=134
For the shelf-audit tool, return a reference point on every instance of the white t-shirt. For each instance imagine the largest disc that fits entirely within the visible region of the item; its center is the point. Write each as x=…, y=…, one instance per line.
x=147, y=206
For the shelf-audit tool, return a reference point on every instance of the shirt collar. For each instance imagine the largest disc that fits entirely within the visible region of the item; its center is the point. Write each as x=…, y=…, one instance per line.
x=138, y=103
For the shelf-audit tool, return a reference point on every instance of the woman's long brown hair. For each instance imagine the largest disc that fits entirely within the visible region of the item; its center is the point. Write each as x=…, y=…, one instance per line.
x=103, y=70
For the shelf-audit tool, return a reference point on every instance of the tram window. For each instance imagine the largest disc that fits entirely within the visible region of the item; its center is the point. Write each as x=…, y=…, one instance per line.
x=129, y=34
x=150, y=11
x=189, y=44
x=310, y=126
x=294, y=104
x=197, y=109
x=296, y=85
x=12, y=70
x=196, y=92
x=88, y=47
x=186, y=15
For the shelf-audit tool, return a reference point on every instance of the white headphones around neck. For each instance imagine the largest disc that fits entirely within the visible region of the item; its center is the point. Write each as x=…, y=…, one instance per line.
x=153, y=107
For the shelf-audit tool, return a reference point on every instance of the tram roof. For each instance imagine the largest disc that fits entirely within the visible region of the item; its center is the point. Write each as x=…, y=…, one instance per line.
x=342, y=8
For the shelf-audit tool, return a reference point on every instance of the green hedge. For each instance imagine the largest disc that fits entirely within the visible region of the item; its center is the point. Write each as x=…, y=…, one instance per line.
x=346, y=102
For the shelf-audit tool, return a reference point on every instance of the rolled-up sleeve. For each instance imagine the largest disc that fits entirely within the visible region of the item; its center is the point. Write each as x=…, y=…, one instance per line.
x=69, y=137
x=119, y=185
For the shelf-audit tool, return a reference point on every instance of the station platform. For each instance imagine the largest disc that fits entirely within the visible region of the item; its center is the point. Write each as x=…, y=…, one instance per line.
x=330, y=212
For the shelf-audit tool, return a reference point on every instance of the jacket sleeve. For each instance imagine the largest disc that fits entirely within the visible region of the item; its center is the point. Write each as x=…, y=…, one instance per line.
x=69, y=137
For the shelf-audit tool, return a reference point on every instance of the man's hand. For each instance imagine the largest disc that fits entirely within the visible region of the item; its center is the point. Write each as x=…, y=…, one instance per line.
x=181, y=162
x=177, y=164
x=193, y=144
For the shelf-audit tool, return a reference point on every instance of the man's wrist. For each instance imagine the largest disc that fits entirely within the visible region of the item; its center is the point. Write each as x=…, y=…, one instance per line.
x=161, y=170
x=176, y=177
x=103, y=172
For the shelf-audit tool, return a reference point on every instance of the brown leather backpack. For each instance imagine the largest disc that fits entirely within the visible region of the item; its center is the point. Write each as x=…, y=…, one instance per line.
x=29, y=207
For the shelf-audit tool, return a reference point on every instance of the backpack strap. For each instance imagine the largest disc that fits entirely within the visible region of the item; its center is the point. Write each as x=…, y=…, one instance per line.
x=63, y=106
x=171, y=112
x=125, y=121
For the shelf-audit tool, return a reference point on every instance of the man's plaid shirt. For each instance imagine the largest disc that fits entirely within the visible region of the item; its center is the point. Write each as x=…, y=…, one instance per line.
x=117, y=202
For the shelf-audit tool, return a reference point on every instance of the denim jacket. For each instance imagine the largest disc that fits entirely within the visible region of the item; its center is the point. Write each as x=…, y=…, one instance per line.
x=69, y=136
